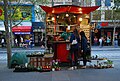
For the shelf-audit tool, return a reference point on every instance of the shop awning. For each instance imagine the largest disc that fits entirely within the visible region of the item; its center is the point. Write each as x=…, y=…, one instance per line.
x=21, y=29
x=69, y=9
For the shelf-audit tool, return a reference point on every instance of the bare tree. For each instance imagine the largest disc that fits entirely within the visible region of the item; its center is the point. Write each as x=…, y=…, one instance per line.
x=8, y=23
x=40, y=14
x=7, y=34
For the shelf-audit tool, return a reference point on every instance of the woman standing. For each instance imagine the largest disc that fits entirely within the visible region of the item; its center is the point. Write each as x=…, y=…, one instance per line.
x=84, y=48
x=74, y=40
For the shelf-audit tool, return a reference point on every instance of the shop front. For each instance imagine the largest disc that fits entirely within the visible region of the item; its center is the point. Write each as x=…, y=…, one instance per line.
x=38, y=29
x=22, y=31
x=108, y=32
x=105, y=30
x=66, y=17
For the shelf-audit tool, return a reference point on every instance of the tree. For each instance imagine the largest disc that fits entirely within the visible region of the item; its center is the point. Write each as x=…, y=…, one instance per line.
x=9, y=16
x=10, y=19
x=7, y=33
x=40, y=14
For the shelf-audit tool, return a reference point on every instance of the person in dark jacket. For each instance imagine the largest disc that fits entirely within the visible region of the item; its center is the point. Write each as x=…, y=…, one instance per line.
x=83, y=48
x=74, y=48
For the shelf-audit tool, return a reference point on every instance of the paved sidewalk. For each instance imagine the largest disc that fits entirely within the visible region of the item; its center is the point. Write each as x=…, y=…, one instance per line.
x=111, y=74
x=105, y=48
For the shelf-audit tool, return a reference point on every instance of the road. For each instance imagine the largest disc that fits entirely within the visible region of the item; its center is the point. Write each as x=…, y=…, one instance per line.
x=107, y=52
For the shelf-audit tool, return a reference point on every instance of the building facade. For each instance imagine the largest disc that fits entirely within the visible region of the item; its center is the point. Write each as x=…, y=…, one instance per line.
x=23, y=16
x=105, y=21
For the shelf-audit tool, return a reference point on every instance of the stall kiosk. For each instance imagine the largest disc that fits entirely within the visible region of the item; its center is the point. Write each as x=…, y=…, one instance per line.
x=65, y=16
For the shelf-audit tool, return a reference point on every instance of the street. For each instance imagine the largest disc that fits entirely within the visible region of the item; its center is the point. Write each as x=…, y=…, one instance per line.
x=107, y=52
x=111, y=74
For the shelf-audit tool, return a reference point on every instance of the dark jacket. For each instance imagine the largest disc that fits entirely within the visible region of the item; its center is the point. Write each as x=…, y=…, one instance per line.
x=84, y=44
x=73, y=38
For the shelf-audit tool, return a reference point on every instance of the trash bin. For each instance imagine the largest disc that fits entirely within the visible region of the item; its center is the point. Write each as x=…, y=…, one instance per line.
x=18, y=58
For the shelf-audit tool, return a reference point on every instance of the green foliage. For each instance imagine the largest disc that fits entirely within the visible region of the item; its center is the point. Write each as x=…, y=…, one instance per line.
x=117, y=5
x=108, y=15
x=17, y=13
x=109, y=62
x=97, y=15
x=116, y=1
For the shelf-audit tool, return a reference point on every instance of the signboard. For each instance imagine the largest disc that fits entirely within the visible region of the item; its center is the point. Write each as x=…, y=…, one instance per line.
x=20, y=13
x=22, y=33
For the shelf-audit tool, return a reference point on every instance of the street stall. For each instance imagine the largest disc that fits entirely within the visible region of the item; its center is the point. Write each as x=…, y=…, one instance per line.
x=60, y=22
x=61, y=17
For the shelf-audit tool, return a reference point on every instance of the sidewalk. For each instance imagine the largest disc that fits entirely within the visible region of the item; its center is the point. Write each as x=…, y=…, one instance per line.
x=38, y=48
x=4, y=50
x=111, y=74
x=107, y=48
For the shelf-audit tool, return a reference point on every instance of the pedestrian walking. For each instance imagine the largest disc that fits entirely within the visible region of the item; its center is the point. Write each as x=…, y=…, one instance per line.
x=108, y=41
x=100, y=42
x=74, y=48
x=21, y=41
x=116, y=42
x=31, y=42
x=95, y=41
x=16, y=42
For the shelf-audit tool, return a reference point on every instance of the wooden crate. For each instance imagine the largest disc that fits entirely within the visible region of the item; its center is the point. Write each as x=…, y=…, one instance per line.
x=41, y=61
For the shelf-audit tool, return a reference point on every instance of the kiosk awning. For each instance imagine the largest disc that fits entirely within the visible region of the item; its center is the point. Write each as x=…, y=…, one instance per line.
x=69, y=9
x=21, y=29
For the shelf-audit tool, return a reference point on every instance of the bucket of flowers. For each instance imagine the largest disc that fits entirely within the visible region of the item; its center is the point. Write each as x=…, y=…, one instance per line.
x=55, y=65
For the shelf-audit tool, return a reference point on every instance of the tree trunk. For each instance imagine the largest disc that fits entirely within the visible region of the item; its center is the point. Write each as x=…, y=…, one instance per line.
x=7, y=34
x=10, y=17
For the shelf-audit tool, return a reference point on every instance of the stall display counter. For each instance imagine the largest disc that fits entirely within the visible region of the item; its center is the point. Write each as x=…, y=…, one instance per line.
x=37, y=60
x=61, y=50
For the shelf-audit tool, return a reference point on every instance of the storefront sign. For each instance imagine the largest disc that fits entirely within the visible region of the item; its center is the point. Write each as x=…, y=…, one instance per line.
x=104, y=24
x=22, y=33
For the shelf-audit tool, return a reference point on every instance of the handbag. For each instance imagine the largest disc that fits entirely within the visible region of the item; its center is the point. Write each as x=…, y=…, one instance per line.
x=74, y=42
